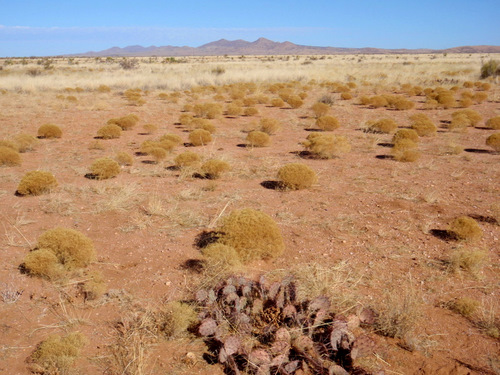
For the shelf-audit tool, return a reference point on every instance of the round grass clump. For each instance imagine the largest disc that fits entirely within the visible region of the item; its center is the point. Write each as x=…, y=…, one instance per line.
x=327, y=123
x=200, y=137
x=253, y=234
x=250, y=111
x=258, y=139
x=104, y=168
x=423, y=125
x=320, y=109
x=177, y=140
x=378, y=102
x=221, y=256
x=25, y=142
x=494, y=141
x=294, y=101
x=234, y=110
x=43, y=263
x=203, y=123
x=187, y=159
x=269, y=125
x=124, y=158
x=10, y=144
x=493, y=123
x=410, y=134
x=405, y=150
x=9, y=157
x=473, y=116
x=296, y=176
x=125, y=122
x=466, y=228
x=158, y=153
x=385, y=126
x=109, y=131
x=49, y=131
x=36, y=183
x=327, y=146
x=277, y=102
x=213, y=169
x=460, y=122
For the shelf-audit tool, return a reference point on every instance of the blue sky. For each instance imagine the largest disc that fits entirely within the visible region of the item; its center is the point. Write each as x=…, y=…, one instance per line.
x=49, y=27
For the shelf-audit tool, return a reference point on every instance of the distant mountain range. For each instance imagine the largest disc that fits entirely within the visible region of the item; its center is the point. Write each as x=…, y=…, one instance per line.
x=263, y=46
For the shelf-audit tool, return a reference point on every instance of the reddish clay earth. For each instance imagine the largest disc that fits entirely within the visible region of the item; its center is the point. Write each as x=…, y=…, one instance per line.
x=374, y=216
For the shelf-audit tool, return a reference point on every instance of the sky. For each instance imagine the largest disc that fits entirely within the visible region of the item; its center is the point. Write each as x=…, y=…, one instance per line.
x=49, y=27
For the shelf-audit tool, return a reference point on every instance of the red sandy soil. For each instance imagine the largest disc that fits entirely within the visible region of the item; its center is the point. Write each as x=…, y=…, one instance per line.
x=374, y=214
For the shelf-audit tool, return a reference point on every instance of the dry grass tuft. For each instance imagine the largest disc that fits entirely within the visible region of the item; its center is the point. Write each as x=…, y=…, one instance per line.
x=176, y=318
x=49, y=131
x=473, y=116
x=25, y=142
x=405, y=150
x=200, y=137
x=423, y=125
x=36, y=183
x=253, y=234
x=258, y=139
x=493, y=123
x=467, y=260
x=466, y=228
x=124, y=158
x=125, y=122
x=213, y=169
x=9, y=157
x=327, y=123
x=187, y=159
x=104, y=168
x=327, y=146
x=410, y=134
x=109, y=131
x=493, y=141
x=269, y=125
x=56, y=354
x=465, y=306
x=94, y=287
x=320, y=109
x=385, y=126
x=296, y=176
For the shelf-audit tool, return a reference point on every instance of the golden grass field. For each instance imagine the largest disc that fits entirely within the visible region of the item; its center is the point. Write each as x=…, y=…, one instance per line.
x=390, y=210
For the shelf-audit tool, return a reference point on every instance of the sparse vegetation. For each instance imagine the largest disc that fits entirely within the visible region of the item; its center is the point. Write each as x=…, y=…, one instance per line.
x=493, y=141
x=327, y=146
x=200, y=137
x=109, y=131
x=296, y=176
x=49, y=131
x=327, y=123
x=125, y=122
x=213, y=168
x=104, y=168
x=187, y=159
x=269, y=125
x=9, y=157
x=466, y=228
x=36, y=183
x=258, y=139
x=493, y=123
x=385, y=125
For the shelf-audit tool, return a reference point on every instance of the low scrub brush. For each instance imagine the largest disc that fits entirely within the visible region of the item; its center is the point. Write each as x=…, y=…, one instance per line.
x=493, y=123
x=208, y=110
x=294, y=101
x=94, y=286
x=385, y=126
x=493, y=141
x=221, y=257
x=468, y=260
x=253, y=234
x=36, y=183
x=320, y=109
x=466, y=228
x=174, y=138
x=277, y=102
x=269, y=125
x=176, y=318
x=234, y=110
x=326, y=146
x=250, y=111
x=125, y=122
x=104, y=168
x=187, y=159
x=213, y=169
x=410, y=134
x=49, y=131
x=203, y=123
x=423, y=125
x=109, y=131
x=56, y=354
x=258, y=139
x=200, y=137
x=327, y=123
x=25, y=142
x=10, y=144
x=296, y=176
x=124, y=158
x=9, y=157
x=405, y=150
x=473, y=116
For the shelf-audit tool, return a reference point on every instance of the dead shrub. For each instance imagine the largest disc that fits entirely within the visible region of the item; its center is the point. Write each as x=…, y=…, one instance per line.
x=125, y=122
x=423, y=125
x=25, y=142
x=405, y=150
x=493, y=123
x=187, y=159
x=465, y=306
x=208, y=110
x=269, y=125
x=460, y=122
x=203, y=123
x=346, y=96
x=378, y=102
x=402, y=104
x=43, y=263
x=109, y=131
x=277, y=102
x=221, y=258
x=104, y=168
x=410, y=134
x=253, y=234
x=94, y=286
x=174, y=138
x=327, y=123
x=446, y=99
x=200, y=137
x=258, y=139
x=294, y=101
x=213, y=169
x=480, y=97
x=320, y=109
x=466, y=228
x=150, y=128
x=326, y=146
x=234, y=110
x=250, y=101
x=176, y=318
x=468, y=260
x=124, y=158
x=56, y=354
x=473, y=116
x=385, y=126
x=250, y=111
x=36, y=183
x=297, y=176
x=158, y=153
x=9, y=157
x=493, y=141
x=10, y=144
x=185, y=119
x=49, y=131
